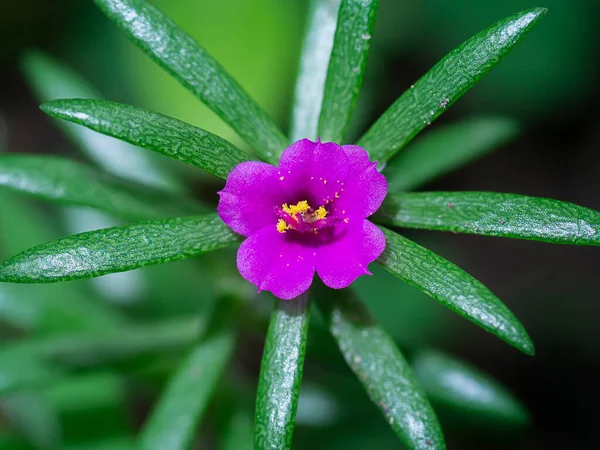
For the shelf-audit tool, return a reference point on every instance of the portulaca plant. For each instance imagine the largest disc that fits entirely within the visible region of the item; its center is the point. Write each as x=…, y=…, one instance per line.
x=309, y=211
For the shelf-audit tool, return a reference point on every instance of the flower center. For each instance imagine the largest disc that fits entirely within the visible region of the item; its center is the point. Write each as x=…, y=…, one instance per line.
x=301, y=217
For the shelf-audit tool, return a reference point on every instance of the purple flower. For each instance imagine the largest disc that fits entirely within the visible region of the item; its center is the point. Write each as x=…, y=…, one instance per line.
x=308, y=214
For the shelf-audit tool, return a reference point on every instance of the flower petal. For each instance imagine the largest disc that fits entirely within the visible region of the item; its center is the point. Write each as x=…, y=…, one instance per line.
x=313, y=170
x=277, y=262
x=364, y=190
x=250, y=196
x=343, y=260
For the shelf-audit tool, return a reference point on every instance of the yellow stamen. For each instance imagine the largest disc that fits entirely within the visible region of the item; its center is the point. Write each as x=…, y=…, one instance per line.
x=303, y=208
x=300, y=207
x=282, y=226
x=321, y=213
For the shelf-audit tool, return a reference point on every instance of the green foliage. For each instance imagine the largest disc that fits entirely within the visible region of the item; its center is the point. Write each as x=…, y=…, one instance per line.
x=384, y=372
x=118, y=249
x=95, y=347
x=62, y=180
x=51, y=80
x=346, y=66
x=22, y=371
x=43, y=309
x=153, y=131
x=452, y=287
x=97, y=336
x=447, y=148
x=494, y=214
x=314, y=60
x=34, y=417
x=196, y=70
x=281, y=374
x=466, y=390
x=173, y=422
x=445, y=83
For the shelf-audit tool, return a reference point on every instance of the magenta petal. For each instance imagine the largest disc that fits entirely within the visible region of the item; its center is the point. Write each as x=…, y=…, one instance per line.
x=314, y=167
x=365, y=188
x=276, y=262
x=345, y=259
x=250, y=197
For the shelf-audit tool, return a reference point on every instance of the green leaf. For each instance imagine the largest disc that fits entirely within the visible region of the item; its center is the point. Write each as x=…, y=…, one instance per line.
x=124, y=442
x=452, y=287
x=174, y=420
x=35, y=418
x=346, y=66
x=384, y=372
x=281, y=374
x=43, y=308
x=177, y=52
x=62, y=180
x=238, y=434
x=88, y=398
x=50, y=80
x=455, y=384
x=96, y=347
x=316, y=51
x=495, y=214
x=447, y=148
x=118, y=249
x=445, y=83
x=153, y=131
x=18, y=371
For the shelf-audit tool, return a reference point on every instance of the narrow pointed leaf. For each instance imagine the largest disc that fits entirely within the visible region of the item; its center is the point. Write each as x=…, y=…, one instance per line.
x=174, y=421
x=495, y=214
x=281, y=374
x=118, y=249
x=43, y=309
x=447, y=148
x=346, y=66
x=454, y=288
x=314, y=60
x=62, y=180
x=465, y=389
x=445, y=83
x=181, y=56
x=382, y=369
x=51, y=80
x=153, y=131
x=95, y=347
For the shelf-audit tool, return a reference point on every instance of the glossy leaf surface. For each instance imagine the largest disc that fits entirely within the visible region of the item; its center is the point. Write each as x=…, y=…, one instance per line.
x=454, y=288
x=153, y=131
x=445, y=83
x=118, y=249
x=316, y=51
x=346, y=66
x=495, y=214
x=181, y=56
x=384, y=372
x=50, y=80
x=281, y=374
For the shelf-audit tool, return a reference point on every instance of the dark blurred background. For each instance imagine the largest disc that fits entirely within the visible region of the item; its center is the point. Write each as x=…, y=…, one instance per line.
x=549, y=83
